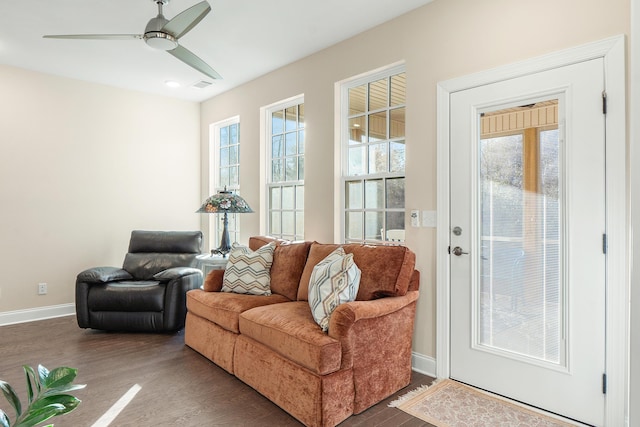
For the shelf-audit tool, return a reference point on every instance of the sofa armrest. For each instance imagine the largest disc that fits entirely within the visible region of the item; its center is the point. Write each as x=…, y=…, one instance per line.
x=103, y=275
x=213, y=281
x=345, y=315
x=376, y=338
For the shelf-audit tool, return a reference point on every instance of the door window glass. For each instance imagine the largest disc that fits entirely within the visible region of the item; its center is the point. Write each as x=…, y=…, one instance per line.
x=521, y=287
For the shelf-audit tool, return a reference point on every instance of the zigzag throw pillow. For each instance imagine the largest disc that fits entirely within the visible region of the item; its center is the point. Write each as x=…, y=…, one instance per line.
x=334, y=280
x=249, y=272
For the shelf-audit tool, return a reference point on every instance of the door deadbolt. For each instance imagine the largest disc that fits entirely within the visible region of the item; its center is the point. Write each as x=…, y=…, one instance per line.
x=457, y=231
x=457, y=251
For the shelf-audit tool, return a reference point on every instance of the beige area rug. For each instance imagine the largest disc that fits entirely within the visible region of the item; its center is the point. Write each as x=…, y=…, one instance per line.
x=449, y=403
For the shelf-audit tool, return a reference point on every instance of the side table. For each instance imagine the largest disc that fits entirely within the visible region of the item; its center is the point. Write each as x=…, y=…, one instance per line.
x=206, y=263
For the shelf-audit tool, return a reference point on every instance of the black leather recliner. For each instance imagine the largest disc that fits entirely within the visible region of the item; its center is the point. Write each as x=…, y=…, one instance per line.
x=148, y=293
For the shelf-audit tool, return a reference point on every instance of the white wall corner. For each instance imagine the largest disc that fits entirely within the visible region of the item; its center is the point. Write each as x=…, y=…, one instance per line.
x=423, y=364
x=39, y=313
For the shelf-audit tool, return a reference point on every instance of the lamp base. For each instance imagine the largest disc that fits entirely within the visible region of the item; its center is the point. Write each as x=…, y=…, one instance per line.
x=225, y=242
x=220, y=251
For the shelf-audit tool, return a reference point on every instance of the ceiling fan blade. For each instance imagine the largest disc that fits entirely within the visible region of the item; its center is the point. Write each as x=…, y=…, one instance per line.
x=190, y=59
x=95, y=36
x=186, y=20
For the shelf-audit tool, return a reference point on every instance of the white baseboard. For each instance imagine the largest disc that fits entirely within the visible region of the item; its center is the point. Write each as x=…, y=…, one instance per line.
x=39, y=313
x=423, y=364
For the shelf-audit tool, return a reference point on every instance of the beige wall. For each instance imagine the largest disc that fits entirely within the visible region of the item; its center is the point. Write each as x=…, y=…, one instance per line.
x=443, y=40
x=81, y=165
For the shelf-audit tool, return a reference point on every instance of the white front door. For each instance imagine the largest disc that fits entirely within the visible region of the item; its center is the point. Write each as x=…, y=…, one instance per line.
x=527, y=240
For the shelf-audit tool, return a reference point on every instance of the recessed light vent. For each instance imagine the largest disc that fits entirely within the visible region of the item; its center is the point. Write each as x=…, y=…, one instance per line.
x=202, y=84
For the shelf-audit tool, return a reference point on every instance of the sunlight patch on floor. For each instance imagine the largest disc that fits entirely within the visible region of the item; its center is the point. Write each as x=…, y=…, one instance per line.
x=117, y=407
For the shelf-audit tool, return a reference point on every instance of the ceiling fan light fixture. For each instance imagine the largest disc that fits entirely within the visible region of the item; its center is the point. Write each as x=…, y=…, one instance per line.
x=161, y=41
x=163, y=34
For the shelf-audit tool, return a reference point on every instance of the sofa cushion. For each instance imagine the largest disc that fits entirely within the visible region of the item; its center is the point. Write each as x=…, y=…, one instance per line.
x=213, y=281
x=289, y=329
x=334, y=280
x=289, y=259
x=223, y=308
x=386, y=270
x=248, y=272
x=256, y=242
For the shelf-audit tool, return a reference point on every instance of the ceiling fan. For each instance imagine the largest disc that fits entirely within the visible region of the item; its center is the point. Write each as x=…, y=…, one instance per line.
x=163, y=34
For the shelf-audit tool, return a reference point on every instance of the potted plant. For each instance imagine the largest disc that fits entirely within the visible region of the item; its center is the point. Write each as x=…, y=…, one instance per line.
x=47, y=393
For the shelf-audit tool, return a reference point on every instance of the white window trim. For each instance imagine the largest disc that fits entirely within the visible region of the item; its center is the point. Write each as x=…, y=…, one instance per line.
x=342, y=133
x=214, y=175
x=265, y=154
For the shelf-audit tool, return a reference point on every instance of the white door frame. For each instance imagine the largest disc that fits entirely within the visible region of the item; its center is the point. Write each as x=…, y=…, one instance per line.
x=618, y=274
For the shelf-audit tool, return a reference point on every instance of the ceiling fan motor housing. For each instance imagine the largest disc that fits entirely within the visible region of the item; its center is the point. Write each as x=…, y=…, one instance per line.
x=160, y=40
x=153, y=34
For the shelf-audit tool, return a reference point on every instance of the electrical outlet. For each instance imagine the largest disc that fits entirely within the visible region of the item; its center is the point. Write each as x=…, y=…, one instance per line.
x=42, y=288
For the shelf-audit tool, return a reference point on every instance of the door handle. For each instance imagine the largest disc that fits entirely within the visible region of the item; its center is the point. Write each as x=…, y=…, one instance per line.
x=457, y=251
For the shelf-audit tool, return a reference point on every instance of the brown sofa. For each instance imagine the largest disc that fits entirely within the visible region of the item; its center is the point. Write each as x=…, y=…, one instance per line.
x=273, y=344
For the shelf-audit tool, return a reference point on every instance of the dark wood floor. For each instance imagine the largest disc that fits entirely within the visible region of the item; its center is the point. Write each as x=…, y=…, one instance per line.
x=179, y=386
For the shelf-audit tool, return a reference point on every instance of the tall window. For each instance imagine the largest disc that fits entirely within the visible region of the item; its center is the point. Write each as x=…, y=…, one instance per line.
x=285, y=166
x=225, y=171
x=373, y=153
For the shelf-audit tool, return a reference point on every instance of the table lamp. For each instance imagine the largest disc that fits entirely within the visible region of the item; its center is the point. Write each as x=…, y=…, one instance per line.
x=224, y=202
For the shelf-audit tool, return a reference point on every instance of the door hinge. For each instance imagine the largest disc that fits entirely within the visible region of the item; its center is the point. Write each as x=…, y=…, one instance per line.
x=604, y=102
x=604, y=244
x=604, y=383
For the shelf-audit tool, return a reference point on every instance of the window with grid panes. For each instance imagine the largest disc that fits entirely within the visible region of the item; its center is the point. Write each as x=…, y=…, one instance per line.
x=373, y=153
x=226, y=172
x=285, y=187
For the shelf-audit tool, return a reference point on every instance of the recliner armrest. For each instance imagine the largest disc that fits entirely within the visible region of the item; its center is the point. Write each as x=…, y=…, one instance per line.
x=103, y=275
x=175, y=273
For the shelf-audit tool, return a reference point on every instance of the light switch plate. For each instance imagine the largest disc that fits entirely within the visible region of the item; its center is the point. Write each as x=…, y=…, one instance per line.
x=429, y=219
x=415, y=218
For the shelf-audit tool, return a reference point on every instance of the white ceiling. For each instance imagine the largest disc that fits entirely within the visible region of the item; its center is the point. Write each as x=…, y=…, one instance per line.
x=240, y=39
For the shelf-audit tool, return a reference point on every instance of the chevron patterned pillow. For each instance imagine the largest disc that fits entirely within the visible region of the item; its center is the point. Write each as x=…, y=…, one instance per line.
x=248, y=272
x=334, y=280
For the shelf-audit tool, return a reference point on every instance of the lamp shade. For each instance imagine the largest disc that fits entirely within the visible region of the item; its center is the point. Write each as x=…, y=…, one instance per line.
x=224, y=202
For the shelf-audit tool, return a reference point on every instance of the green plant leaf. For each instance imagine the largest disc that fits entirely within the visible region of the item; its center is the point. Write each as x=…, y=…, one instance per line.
x=67, y=402
x=47, y=396
x=43, y=373
x=31, y=379
x=61, y=390
x=36, y=416
x=4, y=419
x=11, y=396
x=60, y=377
